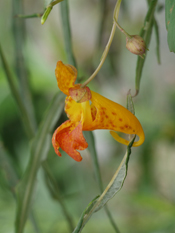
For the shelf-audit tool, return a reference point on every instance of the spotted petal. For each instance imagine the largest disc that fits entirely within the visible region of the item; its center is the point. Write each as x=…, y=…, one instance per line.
x=105, y=114
x=113, y=116
x=66, y=76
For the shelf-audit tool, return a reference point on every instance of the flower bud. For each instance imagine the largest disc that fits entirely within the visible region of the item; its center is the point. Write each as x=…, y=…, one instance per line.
x=136, y=45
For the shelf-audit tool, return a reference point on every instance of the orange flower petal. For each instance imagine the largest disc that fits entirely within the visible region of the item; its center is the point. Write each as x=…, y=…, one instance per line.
x=66, y=76
x=69, y=138
x=113, y=116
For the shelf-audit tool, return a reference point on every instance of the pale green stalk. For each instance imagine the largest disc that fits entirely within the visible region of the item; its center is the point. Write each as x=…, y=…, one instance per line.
x=105, y=53
x=48, y=10
x=21, y=68
x=67, y=33
x=102, y=5
x=24, y=115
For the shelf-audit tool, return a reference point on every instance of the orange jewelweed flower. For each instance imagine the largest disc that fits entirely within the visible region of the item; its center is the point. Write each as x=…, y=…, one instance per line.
x=87, y=111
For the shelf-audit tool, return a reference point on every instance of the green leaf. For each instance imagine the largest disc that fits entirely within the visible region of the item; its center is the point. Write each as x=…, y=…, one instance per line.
x=91, y=147
x=146, y=35
x=85, y=213
x=113, y=187
x=39, y=149
x=170, y=22
x=117, y=181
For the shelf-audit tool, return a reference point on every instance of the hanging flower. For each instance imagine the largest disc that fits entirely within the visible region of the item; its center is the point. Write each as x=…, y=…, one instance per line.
x=87, y=111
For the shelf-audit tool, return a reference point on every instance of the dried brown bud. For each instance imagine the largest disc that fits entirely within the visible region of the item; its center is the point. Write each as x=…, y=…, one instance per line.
x=136, y=45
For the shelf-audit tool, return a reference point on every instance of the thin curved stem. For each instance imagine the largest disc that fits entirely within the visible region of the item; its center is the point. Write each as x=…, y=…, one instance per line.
x=122, y=30
x=105, y=53
x=115, y=18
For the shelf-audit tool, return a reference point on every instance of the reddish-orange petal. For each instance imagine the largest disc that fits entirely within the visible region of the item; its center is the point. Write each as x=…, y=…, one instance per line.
x=66, y=76
x=69, y=137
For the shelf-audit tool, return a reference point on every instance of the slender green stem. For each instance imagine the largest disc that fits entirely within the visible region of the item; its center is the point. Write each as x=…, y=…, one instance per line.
x=26, y=120
x=105, y=53
x=53, y=3
x=48, y=10
x=122, y=30
x=157, y=40
x=67, y=32
x=111, y=219
x=35, y=15
x=39, y=150
x=103, y=4
x=13, y=179
x=53, y=187
x=21, y=68
x=115, y=17
x=145, y=33
x=38, y=15
x=25, y=117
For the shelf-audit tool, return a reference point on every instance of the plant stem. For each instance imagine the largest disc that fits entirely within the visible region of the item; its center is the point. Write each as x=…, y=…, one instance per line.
x=67, y=32
x=105, y=53
x=24, y=115
x=48, y=10
x=53, y=3
x=145, y=33
x=103, y=6
x=115, y=18
x=122, y=30
x=13, y=179
x=21, y=68
x=53, y=188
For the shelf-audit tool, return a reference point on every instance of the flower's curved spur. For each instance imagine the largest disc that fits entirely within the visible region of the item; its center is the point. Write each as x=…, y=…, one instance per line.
x=85, y=115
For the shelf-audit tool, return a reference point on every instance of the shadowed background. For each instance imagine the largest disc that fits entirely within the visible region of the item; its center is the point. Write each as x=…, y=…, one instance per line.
x=146, y=202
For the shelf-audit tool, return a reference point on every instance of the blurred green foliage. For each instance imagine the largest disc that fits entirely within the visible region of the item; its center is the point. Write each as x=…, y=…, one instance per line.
x=146, y=202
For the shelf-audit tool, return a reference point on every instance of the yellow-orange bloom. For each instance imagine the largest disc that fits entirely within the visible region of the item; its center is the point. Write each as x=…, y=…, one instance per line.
x=85, y=115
